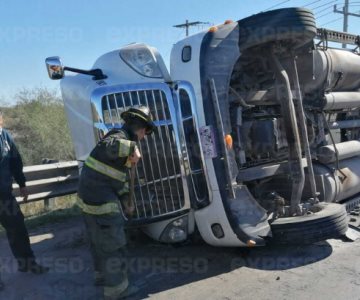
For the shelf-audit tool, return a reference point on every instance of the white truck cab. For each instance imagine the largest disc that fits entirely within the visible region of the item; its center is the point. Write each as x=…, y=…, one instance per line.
x=244, y=147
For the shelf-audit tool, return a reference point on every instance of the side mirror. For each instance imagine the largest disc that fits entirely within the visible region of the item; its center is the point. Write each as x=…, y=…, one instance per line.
x=54, y=67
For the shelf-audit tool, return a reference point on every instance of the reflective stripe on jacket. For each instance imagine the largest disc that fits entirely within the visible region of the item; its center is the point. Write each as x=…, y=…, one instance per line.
x=106, y=208
x=105, y=175
x=104, y=169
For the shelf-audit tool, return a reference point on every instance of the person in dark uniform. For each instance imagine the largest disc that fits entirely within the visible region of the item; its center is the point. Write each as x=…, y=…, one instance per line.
x=103, y=194
x=11, y=217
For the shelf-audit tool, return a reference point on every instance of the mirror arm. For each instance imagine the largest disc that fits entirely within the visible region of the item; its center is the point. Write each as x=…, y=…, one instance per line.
x=97, y=73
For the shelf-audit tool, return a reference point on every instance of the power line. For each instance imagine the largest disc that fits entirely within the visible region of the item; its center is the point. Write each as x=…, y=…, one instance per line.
x=327, y=3
x=324, y=15
x=311, y=3
x=325, y=9
x=276, y=5
x=330, y=22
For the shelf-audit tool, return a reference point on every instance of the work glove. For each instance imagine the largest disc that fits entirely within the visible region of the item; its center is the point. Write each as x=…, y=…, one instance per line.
x=24, y=193
x=128, y=208
x=135, y=157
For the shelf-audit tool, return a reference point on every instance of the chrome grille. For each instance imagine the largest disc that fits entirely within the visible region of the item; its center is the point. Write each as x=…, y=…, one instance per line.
x=159, y=188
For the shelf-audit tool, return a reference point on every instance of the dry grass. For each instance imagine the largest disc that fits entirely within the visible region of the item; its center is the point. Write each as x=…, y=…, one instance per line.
x=38, y=208
x=59, y=209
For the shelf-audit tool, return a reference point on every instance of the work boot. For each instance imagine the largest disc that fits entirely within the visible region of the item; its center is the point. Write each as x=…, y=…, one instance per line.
x=130, y=291
x=33, y=267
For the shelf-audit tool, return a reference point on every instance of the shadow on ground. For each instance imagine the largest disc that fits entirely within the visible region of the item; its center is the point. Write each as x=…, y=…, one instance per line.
x=157, y=267
x=154, y=267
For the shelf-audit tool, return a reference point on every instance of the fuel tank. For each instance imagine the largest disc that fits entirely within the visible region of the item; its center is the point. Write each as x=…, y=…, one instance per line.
x=327, y=154
x=333, y=185
x=334, y=69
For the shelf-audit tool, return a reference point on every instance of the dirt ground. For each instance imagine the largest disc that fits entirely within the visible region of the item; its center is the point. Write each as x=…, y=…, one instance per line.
x=327, y=270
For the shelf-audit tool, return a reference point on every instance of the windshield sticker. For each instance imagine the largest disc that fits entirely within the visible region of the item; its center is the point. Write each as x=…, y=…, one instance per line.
x=207, y=137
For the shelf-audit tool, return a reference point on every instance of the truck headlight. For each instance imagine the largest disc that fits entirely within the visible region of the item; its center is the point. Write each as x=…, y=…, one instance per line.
x=176, y=231
x=141, y=59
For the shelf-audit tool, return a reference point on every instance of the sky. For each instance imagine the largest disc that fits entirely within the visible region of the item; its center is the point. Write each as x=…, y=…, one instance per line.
x=79, y=31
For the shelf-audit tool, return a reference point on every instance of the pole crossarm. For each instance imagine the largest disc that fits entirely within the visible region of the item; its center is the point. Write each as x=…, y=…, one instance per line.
x=341, y=11
x=345, y=11
x=188, y=24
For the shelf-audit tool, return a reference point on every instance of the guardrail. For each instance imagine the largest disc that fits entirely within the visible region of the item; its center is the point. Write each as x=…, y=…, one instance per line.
x=49, y=181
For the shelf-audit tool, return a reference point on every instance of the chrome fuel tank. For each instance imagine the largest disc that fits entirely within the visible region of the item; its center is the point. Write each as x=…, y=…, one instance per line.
x=335, y=70
x=333, y=185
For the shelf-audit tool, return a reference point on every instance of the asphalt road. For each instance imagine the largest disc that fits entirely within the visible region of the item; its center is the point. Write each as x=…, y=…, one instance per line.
x=327, y=270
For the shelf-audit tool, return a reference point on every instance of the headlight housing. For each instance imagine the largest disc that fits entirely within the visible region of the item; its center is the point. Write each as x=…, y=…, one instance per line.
x=176, y=231
x=141, y=59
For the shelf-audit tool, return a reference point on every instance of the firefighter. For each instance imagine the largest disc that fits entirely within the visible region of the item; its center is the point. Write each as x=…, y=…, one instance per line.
x=11, y=217
x=104, y=191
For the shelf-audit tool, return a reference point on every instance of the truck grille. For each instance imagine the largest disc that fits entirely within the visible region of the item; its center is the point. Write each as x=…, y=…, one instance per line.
x=159, y=188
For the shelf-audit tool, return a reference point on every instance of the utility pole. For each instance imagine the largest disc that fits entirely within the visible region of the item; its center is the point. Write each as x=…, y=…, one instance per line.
x=188, y=24
x=346, y=13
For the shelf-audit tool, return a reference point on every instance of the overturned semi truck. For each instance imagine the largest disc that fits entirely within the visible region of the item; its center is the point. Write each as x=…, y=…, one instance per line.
x=258, y=129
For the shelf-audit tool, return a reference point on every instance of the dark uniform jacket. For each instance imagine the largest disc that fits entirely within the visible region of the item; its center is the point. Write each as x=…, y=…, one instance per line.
x=104, y=177
x=11, y=165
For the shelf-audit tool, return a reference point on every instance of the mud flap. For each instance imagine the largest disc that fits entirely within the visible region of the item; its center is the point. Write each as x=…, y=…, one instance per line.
x=249, y=218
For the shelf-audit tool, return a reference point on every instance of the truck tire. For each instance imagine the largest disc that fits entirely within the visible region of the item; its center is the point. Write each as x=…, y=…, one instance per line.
x=296, y=26
x=329, y=222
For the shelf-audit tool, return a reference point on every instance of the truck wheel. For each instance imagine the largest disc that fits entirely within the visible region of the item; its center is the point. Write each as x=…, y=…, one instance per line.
x=329, y=222
x=296, y=26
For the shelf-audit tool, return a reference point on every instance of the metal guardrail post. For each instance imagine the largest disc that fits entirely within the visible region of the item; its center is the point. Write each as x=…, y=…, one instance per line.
x=49, y=204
